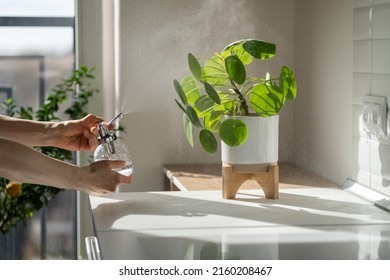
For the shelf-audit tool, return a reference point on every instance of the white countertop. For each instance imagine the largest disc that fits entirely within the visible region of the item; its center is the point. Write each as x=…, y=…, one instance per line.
x=304, y=223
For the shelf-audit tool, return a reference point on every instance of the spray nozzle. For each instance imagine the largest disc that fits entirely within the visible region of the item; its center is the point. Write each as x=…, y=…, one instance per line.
x=114, y=119
x=106, y=138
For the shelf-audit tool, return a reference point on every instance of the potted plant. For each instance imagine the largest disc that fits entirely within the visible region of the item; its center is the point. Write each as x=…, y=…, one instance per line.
x=220, y=98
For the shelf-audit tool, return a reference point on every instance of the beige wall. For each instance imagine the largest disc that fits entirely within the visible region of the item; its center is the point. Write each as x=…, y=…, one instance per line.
x=323, y=110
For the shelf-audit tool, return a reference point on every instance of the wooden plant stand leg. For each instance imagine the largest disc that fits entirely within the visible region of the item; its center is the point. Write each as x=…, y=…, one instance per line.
x=233, y=179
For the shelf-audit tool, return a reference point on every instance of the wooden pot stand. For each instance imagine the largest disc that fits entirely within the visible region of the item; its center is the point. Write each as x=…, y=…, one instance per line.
x=234, y=175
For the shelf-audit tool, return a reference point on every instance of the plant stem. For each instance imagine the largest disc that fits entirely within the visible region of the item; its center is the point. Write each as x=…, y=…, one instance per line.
x=241, y=97
x=4, y=222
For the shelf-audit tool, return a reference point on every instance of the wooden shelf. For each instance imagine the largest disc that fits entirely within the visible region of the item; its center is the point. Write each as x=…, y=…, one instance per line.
x=200, y=177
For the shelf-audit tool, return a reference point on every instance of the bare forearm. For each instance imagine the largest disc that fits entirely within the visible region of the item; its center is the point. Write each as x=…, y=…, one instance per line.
x=29, y=133
x=22, y=163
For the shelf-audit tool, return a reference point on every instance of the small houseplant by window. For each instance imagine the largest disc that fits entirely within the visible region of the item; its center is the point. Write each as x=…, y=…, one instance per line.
x=221, y=87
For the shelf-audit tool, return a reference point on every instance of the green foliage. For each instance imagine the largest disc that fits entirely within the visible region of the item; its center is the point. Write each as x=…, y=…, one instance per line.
x=233, y=132
x=222, y=86
x=19, y=201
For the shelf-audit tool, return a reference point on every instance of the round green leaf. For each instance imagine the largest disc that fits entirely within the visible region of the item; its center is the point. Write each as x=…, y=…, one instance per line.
x=214, y=71
x=235, y=69
x=194, y=66
x=288, y=83
x=233, y=132
x=237, y=49
x=193, y=116
x=180, y=92
x=266, y=100
x=259, y=49
x=212, y=93
x=208, y=141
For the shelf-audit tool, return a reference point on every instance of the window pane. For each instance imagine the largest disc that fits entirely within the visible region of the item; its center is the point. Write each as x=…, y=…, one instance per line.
x=36, y=40
x=32, y=61
x=37, y=8
x=21, y=75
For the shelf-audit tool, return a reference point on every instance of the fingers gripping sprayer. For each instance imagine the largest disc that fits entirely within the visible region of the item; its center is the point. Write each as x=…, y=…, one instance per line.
x=111, y=148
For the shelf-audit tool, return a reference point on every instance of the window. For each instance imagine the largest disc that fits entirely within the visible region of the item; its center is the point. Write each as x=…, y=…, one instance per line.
x=36, y=52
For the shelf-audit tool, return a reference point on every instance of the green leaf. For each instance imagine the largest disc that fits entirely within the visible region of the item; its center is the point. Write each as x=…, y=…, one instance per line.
x=180, y=92
x=233, y=132
x=208, y=141
x=259, y=49
x=181, y=106
x=188, y=129
x=237, y=49
x=194, y=66
x=193, y=116
x=191, y=89
x=212, y=93
x=266, y=100
x=204, y=103
x=288, y=83
x=212, y=121
x=214, y=71
x=235, y=69
x=84, y=69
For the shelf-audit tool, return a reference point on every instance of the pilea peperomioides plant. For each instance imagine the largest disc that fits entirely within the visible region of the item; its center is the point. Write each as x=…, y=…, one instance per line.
x=222, y=87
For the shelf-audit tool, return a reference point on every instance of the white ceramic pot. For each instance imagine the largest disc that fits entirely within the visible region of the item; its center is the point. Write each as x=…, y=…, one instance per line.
x=260, y=147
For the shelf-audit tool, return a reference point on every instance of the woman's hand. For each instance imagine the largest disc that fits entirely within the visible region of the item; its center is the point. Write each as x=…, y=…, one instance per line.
x=101, y=179
x=78, y=135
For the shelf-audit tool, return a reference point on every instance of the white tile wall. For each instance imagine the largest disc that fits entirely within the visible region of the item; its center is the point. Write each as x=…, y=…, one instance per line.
x=380, y=56
x=361, y=176
x=356, y=111
x=362, y=27
x=361, y=3
x=381, y=86
x=357, y=123
x=362, y=56
x=371, y=153
x=380, y=156
x=377, y=1
x=380, y=184
x=361, y=159
x=361, y=87
x=381, y=21
x=376, y=182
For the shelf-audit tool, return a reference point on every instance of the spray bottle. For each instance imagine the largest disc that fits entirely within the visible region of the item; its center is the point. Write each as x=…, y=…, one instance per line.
x=111, y=148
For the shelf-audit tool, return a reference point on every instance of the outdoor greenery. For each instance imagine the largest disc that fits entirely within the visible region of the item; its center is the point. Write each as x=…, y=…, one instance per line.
x=18, y=200
x=222, y=87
